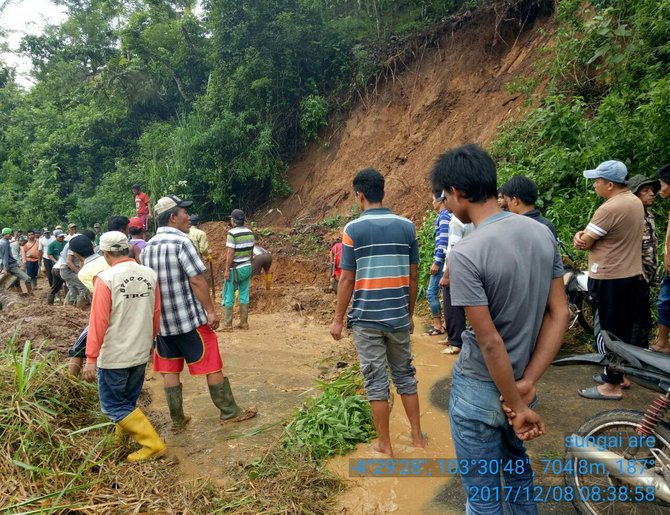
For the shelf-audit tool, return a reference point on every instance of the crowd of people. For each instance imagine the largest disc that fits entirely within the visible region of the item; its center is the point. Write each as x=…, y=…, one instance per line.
x=154, y=292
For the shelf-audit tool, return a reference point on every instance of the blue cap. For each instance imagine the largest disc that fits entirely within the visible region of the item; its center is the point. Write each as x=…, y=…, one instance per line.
x=614, y=171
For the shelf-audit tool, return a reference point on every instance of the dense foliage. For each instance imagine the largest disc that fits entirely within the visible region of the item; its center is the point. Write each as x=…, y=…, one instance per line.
x=208, y=100
x=609, y=98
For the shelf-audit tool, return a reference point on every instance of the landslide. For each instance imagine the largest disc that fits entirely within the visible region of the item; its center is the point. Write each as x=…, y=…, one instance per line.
x=452, y=91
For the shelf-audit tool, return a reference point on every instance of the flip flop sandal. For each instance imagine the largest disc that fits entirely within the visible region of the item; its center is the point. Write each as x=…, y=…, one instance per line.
x=593, y=394
x=599, y=379
x=248, y=413
x=434, y=331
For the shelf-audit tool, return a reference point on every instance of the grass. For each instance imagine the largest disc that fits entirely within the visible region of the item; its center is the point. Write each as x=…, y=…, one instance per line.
x=58, y=455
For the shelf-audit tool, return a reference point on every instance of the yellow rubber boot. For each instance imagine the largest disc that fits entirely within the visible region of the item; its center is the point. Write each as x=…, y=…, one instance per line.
x=268, y=281
x=139, y=427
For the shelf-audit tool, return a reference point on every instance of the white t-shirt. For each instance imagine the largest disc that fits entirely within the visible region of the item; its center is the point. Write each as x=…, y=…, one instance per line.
x=43, y=244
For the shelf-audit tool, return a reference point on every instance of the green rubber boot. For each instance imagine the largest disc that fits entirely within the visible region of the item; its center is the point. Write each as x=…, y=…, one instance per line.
x=227, y=319
x=175, y=402
x=222, y=397
x=244, y=316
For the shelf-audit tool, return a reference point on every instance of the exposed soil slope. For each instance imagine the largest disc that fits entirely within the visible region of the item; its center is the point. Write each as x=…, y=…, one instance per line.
x=450, y=95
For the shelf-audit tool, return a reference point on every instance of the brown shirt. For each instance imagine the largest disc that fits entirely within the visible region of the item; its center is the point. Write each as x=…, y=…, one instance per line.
x=617, y=226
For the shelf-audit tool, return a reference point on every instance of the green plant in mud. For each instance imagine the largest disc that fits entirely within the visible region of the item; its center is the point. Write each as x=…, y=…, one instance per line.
x=426, y=236
x=334, y=422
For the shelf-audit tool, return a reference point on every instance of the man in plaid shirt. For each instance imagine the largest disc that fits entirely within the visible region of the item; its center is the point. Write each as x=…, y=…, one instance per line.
x=188, y=316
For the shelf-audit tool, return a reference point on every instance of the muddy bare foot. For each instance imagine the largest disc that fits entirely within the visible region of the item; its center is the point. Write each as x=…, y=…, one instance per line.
x=420, y=441
x=385, y=450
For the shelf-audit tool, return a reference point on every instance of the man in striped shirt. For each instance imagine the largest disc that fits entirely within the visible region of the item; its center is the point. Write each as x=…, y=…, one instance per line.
x=237, y=275
x=380, y=255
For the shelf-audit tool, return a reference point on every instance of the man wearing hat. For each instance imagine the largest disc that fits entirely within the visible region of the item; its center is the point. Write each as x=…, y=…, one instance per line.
x=237, y=274
x=645, y=189
x=613, y=238
x=142, y=205
x=188, y=315
x=97, y=229
x=9, y=266
x=72, y=231
x=124, y=321
x=45, y=240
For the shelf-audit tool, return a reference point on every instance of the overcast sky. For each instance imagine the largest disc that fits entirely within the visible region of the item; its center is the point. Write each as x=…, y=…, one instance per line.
x=22, y=17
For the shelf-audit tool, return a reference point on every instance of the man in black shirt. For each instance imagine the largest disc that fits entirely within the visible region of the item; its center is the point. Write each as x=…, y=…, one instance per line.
x=520, y=194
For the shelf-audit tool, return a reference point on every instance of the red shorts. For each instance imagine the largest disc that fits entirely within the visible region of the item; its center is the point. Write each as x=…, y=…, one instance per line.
x=145, y=220
x=199, y=348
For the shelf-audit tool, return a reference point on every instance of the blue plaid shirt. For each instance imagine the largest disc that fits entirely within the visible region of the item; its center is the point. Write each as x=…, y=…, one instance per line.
x=172, y=255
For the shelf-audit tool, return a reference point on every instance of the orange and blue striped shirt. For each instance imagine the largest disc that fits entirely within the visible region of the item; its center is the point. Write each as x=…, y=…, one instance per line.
x=380, y=247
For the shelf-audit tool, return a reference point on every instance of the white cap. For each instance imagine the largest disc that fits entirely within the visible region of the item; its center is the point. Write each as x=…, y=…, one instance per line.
x=114, y=241
x=169, y=202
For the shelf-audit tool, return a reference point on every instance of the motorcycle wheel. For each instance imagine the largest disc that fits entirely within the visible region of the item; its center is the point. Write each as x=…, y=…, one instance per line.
x=612, y=424
x=584, y=312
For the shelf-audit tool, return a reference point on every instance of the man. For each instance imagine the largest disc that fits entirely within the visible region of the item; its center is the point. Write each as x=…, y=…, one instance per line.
x=31, y=257
x=237, y=274
x=440, y=248
x=54, y=252
x=124, y=321
x=502, y=202
x=45, y=240
x=262, y=260
x=645, y=189
x=9, y=266
x=663, y=303
x=98, y=232
x=199, y=238
x=142, y=205
x=380, y=255
x=188, y=316
x=93, y=264
x=122, y=224
x=72, y=231
x=135, y=230
x=520, y=195
x=613, y=238
x=513, y=338
x=335, y=259
x=454, y=316
x=69, y=273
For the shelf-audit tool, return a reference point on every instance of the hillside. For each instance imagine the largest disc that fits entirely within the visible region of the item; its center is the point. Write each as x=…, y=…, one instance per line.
x=451, y=93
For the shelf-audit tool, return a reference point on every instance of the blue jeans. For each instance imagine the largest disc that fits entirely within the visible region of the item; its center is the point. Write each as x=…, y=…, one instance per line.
x=480, y=431
x=433, y=295
x=118, y=390
x=663, y=303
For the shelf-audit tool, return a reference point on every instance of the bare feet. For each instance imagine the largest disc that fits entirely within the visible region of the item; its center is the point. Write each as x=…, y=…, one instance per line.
x=387, y=450
x=420, y=440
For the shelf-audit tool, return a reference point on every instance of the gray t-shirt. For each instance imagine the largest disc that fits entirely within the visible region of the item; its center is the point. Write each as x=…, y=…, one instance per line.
x=507, y=264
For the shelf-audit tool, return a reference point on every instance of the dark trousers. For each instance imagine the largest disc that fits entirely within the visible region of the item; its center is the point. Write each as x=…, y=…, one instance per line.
x=643, y=323
x=57, y=282
x=32, y=269
x=454, y=318
x=615, y=301
x=48, y=266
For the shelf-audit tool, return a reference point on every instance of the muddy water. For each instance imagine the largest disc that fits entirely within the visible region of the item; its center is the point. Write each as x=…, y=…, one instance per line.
x=272, y=366
x=407, y=495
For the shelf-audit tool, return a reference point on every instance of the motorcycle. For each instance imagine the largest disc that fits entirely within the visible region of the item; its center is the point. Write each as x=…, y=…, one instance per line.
x=619, y=461
x=576, y=289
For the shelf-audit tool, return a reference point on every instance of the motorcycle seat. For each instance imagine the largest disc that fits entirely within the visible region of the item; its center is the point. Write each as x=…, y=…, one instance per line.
x=636, y=356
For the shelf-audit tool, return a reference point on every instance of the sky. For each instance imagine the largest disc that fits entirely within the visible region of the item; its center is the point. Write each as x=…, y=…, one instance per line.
x=23, y=17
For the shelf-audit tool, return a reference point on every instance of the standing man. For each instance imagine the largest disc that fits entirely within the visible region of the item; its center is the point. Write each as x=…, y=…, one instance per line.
x=514, y=336
x=441, y=242
x=199, y=238
x=9, y=266
x=380, y=255
x=31, y=257
x=335, y=259
x=520, y=195
x=645, y=189
x=54, y=251
x=613, y=238
x=188, y=316
x=72, y=231
x=97, y=229
x=237, y=275
x=124, y=321
x=142, y=205
x=44, y=243
x=663, y=303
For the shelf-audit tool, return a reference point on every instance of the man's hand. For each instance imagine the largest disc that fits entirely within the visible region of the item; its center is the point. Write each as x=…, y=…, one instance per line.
x=90, y=373
x=527, y=424
x=527, y=392
x=336, y=329
x=578, y=241
x=434, y=269
x=411, y=325
x=213, y=320
x=444, y=280
x=226, y=275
